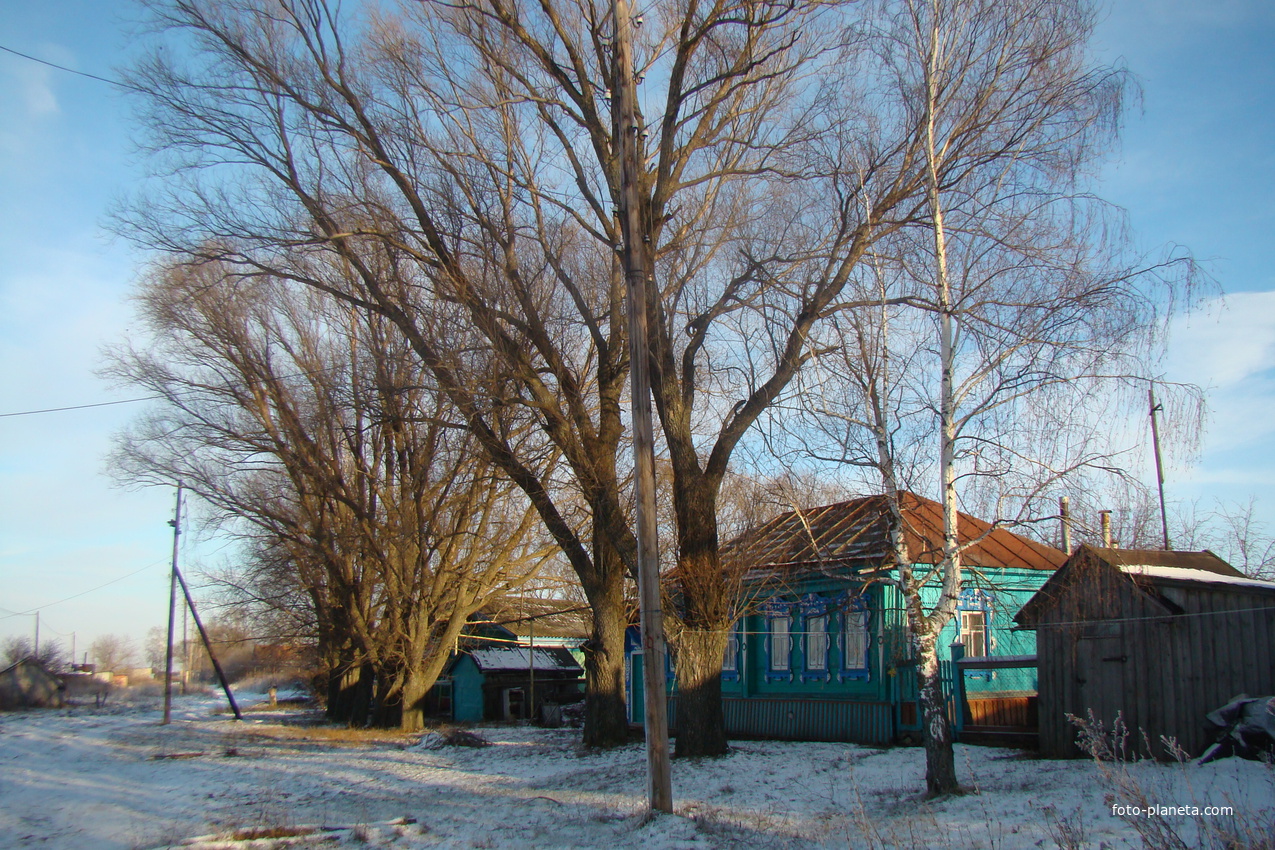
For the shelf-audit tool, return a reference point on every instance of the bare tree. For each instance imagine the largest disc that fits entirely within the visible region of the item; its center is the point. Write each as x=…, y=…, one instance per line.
x=303, y=425
x=112, y=652
x=461, y=161
x=458, y=163
x=1021, y=315
x=52, y=654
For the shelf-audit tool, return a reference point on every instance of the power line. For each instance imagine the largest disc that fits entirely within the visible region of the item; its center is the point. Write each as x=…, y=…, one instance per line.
x=80, y=406
x=306, y=373
x=81, y=593
x=109, y=82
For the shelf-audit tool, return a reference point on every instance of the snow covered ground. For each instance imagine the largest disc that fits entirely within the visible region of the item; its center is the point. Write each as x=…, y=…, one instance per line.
x=114, y=778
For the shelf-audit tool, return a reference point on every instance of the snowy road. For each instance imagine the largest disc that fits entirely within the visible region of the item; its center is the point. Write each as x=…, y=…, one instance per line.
x=115, y=778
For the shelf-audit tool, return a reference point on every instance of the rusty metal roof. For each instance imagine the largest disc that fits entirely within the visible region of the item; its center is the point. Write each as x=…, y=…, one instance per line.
x=1146, y=569
x=529, y=616
x=856, y=534
x=1205, y=560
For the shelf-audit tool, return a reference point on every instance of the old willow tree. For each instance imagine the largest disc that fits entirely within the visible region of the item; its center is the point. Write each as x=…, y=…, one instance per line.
x=460, y=161
x=303, y=424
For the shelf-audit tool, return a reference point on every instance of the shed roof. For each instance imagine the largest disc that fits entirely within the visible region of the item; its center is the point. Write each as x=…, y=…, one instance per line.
x=856, y=534
x=1148, y=570
x=516, y=658
x=1199, y=562
x=557, y=618
x=33, y=662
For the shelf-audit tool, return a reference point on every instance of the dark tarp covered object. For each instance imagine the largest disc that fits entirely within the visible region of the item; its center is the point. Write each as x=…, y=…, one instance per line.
x=1249, y=724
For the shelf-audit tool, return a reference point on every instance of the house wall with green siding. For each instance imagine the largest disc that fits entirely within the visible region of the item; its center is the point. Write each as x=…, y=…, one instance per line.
x=996, y=593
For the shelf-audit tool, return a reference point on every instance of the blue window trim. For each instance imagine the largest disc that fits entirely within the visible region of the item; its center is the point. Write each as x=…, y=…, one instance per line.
x=857, y=604
x=807, y=673
x=976, y=599
x=732, y=636
x=773, y=611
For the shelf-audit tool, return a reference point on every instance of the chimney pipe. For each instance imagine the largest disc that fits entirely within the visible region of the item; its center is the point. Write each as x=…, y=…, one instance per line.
x=1106, y=528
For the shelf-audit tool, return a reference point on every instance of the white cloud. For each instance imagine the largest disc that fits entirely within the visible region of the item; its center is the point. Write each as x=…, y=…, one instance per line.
x=36, y=86
x=1227, y=343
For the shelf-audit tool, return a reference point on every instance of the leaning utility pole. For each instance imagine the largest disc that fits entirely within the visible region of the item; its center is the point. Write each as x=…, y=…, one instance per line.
x=212, y=656
x=176, y=523
x=638, y=273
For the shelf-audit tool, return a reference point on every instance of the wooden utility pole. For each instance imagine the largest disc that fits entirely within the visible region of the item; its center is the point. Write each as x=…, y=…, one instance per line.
x=638, y=268
x=203, y=634
x=176, y=523
x=1159, y=465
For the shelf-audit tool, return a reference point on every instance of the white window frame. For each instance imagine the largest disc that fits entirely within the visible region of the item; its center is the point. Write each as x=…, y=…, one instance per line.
x=730, y=662
x=855, y=640
x=816, y=645
x=780, y=643
x=974, y=633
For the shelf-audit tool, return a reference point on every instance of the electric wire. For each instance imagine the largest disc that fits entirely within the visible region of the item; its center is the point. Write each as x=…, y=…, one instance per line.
x=30, y=611
x=109, y=82
x=80, y=406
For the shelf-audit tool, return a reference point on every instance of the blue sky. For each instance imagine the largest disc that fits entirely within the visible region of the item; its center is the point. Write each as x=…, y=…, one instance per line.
x=1196, y=169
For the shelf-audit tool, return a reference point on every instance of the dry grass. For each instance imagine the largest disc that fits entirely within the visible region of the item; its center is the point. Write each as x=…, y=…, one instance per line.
x=254, y=833
x=335, y=735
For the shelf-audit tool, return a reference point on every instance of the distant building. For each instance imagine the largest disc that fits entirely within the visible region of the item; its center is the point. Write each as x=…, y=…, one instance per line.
x=29, y=684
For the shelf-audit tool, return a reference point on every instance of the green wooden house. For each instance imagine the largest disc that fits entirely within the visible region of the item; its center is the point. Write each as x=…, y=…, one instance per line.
x=820, y=648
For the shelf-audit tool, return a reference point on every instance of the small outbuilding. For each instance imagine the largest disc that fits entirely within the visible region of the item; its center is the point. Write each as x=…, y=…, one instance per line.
x=512, y=682
x=29, y=684
x=1158, y=638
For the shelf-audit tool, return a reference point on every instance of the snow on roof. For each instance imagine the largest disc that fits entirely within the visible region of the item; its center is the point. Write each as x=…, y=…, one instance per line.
x=515, y=658
x=1185, y=574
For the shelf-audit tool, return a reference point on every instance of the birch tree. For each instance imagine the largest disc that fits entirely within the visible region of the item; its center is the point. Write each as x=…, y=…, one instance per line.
x=1022, y=322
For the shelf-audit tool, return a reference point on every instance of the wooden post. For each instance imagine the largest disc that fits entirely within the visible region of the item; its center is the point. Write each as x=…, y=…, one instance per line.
x=1159, y=465
x=221, y=674
x=176, y=523
x=638, y=268
x=531, y=668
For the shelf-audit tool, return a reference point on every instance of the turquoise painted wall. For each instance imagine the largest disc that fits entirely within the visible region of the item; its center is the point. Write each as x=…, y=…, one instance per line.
x=998, y=593
x=467, y=691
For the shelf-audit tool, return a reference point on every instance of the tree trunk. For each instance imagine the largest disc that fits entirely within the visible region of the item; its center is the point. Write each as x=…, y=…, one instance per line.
x=701, y=723
x=343, y=680
x=605, y=721
x=936, y=732
x=361, y=695
x=412, y=712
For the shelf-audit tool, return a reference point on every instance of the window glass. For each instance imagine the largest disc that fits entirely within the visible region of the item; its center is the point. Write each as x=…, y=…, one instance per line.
x=856, y=640
x=780, y=642
x=974, y=633
x=817, y=643
x=731, y=662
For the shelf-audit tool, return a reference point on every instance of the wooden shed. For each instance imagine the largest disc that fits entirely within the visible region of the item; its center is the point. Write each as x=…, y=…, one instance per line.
x=512, y=682
x=1159, y=638
x=29, y=684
